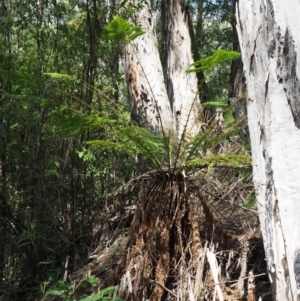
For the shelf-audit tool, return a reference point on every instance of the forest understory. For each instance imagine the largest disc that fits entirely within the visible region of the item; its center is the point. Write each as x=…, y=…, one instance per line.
x=125, y=162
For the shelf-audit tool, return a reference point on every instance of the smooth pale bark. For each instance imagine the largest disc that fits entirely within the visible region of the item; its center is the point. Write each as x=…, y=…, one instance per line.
x=149, y=99
x=182, y=87
x=269, y=39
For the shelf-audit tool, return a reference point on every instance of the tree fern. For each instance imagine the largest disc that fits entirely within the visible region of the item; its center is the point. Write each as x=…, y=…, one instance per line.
x=118, y=132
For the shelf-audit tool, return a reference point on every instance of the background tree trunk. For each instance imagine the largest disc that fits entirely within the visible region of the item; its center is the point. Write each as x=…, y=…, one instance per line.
x=145, y=77
x=182, y=87
x=177, y=100
x=237, y=85
x=269, y=39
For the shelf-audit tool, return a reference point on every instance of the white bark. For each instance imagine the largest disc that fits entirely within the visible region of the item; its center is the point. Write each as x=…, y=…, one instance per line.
x=145, y=77
x=269, y=39
x=182, y=87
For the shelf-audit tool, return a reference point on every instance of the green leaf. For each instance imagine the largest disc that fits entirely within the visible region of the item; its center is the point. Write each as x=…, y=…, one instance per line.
x=120, y=30
x=55, y=292
x=61, y=285
x=92, y=280
x=33, y=224
x=221, y=56
x=23, y=240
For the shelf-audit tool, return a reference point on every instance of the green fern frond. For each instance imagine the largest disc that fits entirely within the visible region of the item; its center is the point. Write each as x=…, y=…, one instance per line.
x=221, y=56
x=117, y=132
x=198, y=142
x=231, y=160
x=207, y=140
x=120, y=30
x=134, y=142
x=149, y=145
x=216, y=138
x=98, y=121
x=117, y=135
x=119, y=146
x=70, y=124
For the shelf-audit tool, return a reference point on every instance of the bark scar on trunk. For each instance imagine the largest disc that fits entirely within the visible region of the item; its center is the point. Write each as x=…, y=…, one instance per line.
x=290, y=76
x=297, y=268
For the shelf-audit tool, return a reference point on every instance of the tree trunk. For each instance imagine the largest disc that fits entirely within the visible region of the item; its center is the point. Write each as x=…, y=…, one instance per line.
x=149, y=101
x=182, y=87
x=175, y=107
x=269, y=39
x=198, y=46
x=237, y=86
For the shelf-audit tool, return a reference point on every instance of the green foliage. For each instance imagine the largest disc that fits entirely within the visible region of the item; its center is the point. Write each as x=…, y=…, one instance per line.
x=120, y=134
x=60, y=76
x=68, y=291
x=215, y=103
x=103, y=295
x=53, y=182
x=250, y=201
x=67, y=139
x=231, y=160
x=122, y=31
x=221, y=56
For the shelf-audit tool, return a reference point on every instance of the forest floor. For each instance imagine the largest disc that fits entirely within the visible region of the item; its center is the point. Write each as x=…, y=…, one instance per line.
x=230, y=263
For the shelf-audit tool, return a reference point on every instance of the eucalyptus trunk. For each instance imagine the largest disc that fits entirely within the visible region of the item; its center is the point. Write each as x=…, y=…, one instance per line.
x=149, y=100
x=182, y=87
x=269, y=39
x=171, y=104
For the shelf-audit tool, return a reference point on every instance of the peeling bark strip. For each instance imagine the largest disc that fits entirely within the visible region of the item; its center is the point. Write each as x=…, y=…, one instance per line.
x=145, y=77
x=269, y=39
